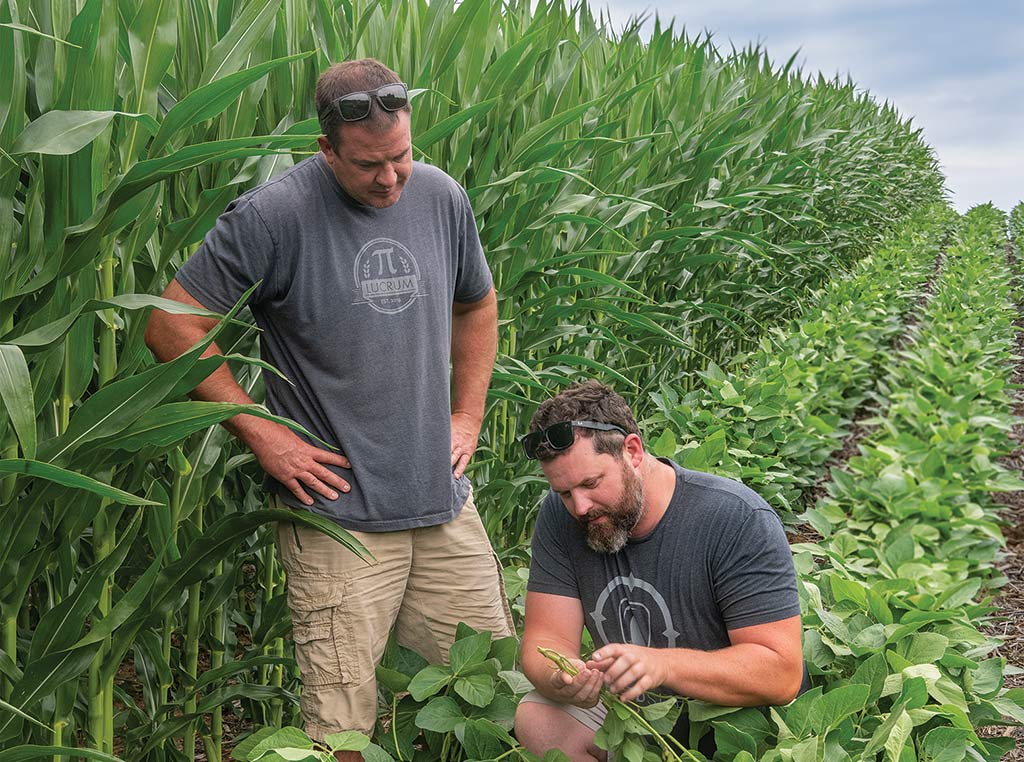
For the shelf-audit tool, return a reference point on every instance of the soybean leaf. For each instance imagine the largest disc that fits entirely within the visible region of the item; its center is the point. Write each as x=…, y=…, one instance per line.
x=484, y=739
x=392, y=679
x=440, y=715
x=374, y=753
x=248, y=745
x=348, y=740
x=429, y=681
x=478, y=690
x=469, y=651
x=516, y=681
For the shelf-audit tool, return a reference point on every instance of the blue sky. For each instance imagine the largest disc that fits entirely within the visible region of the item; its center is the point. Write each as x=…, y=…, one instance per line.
x=957, y=68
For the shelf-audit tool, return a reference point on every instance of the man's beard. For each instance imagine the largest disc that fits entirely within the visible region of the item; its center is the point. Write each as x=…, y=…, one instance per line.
x=610, y=536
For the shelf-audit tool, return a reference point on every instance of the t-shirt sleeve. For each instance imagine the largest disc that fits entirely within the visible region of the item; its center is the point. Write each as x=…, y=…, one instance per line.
x=551, y=568
x=755, y=582
x=235, y=254
x=473, y=277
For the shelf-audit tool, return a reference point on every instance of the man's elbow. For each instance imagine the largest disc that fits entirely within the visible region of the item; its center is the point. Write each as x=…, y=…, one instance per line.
x=787, y=687
x=154, y=331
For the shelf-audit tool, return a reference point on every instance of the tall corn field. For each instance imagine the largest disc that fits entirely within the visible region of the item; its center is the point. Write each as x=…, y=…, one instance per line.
x=646, y=205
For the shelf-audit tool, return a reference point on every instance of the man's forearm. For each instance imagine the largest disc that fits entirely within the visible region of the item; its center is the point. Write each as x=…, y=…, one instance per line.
x=746, y=674
x=169, y=336
x=474, y=347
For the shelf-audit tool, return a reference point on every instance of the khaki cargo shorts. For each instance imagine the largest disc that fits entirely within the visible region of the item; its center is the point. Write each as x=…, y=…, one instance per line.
x=425, y=581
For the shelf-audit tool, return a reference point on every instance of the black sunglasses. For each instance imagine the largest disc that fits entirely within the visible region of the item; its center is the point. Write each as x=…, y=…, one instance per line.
x=355, y=106
x=560, y=436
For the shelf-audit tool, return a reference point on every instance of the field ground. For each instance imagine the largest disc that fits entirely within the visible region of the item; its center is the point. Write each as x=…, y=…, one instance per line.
x=1010, y=602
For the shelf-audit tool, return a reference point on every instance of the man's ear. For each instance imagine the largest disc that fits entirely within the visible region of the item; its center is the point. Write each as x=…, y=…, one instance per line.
x=633, y=450
x=325, y=145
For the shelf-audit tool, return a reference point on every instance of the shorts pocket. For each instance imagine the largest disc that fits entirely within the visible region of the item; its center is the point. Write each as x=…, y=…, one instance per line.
x=316, y=629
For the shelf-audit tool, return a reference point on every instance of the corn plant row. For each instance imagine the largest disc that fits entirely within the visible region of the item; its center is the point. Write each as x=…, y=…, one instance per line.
x=895, y=592
x=127, y=127
x=1017, y=225
x=774, y=422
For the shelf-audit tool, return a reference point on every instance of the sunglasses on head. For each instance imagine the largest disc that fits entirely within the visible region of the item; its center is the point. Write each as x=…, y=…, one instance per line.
x=355, y=106
x=560, y=436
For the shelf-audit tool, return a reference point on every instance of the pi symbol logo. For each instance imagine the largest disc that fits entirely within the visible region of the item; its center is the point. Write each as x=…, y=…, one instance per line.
x=387, y=276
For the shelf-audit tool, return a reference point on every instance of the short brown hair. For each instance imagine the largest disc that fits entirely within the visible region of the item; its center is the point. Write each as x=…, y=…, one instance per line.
x=351, y=77
x=586, y=401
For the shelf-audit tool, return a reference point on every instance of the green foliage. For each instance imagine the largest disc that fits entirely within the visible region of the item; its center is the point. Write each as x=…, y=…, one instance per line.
x=461, y=710
x=892, y=594
x=646, y=207
x=774, y=422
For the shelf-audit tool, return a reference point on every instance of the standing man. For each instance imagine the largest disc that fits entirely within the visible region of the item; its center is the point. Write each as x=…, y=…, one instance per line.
x=684, y=580
x=371, y=280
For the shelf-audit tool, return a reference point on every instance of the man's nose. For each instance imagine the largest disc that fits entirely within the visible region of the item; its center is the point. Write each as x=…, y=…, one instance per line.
x=387, y=176
x=581, y=504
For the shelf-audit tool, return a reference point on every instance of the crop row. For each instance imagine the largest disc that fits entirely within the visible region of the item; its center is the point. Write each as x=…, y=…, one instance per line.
x=894, y=593
x=115, y=159
x=899, y=665
x=775, y=422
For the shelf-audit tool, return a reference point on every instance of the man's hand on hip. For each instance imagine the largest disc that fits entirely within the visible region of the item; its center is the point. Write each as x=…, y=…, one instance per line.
x=583, y=689
x=629, y=670
x=297, y=464
x=465, y=434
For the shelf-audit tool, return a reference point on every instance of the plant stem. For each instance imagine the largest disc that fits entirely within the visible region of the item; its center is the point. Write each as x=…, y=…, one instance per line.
x=8, y=482
x=99, y=710
x=10, y=640
x=394, y=727
x=192, y=629
x=168, y=630
x=217, y=660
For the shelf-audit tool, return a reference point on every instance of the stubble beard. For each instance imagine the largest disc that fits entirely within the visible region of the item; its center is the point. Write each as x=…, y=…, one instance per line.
x=611, y=536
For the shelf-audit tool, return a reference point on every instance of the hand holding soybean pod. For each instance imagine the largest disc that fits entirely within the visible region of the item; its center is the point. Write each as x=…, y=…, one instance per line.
x=671, y=748
x=683, y=198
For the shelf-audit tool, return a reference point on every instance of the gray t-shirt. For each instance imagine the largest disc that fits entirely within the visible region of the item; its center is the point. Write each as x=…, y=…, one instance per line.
x=355, y=305
x=718, y=560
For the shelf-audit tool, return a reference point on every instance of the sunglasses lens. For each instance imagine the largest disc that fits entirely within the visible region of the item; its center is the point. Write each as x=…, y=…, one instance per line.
x=530, y=444
x=560, y=436
x=393, y=97
x=354, y=106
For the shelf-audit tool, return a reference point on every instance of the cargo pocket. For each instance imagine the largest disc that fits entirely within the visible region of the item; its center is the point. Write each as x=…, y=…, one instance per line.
x=316, y=625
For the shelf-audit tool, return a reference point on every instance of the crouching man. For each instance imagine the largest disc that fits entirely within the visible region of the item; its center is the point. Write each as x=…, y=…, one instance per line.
x=684, y=580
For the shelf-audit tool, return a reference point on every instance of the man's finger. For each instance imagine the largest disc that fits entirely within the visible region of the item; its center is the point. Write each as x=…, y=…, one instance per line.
x=334, y=458
x=460, y=466
x=318, y=486
x=329, y=477
x=296, y=488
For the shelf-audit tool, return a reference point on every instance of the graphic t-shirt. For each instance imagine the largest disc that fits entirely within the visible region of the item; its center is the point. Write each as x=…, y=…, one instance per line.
x=355, y=307
x=717, y=560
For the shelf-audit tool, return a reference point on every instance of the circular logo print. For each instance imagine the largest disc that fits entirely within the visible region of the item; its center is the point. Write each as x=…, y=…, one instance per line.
x=387, y=276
